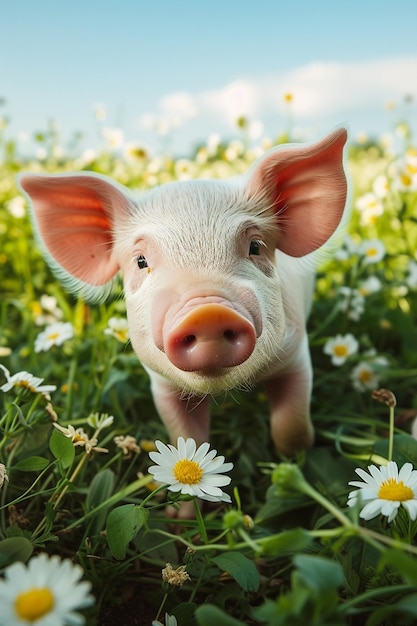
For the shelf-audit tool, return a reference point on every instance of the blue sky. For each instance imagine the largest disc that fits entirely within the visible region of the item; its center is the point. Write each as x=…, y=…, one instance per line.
x=195, y=66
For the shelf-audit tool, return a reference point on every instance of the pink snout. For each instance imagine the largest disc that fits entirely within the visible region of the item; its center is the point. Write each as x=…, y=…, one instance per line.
x=210, y=336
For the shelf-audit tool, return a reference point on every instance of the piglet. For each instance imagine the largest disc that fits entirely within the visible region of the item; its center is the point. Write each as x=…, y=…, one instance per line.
x=216, y=289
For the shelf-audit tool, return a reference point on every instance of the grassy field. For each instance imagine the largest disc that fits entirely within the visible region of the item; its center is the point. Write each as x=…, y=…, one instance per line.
x=288, y=549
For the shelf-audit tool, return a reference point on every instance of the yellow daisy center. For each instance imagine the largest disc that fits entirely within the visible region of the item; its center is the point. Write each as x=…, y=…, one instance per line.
x=340, y=350
x=79, y=438
x=392, y=490
x=371, y=252
x=405, y=179
x=53, y=336
x=187, y=472
x=122, y=335
x=365, y=376
x=26, y=385
x=33, y=604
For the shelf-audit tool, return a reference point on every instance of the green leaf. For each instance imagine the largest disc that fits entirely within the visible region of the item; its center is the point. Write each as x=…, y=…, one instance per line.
x=286, y=542
x=240, y=568
x=318, y=573
x=122, y=526
x=31, y=464
x=407, y=605
x=62, y=448
x=100, y=490
x=14, y=549
x=207, y=615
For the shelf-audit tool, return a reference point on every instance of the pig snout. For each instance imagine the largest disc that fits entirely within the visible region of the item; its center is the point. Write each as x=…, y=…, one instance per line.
x=210, y=336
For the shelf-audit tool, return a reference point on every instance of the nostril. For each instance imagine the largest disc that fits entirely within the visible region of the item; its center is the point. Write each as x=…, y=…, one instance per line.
x=230, y=335
x=188, y=340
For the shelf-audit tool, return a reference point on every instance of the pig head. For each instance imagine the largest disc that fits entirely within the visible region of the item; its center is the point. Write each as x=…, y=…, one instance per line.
x=216, y=292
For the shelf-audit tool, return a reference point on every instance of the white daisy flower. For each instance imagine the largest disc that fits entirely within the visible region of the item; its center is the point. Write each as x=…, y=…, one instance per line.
x=384, y=490
x=26, y=381
x=114, y=137
x=80, y=438
x=46, y=592
x=371, y=285
x=17, y=206
x=381, y=186
x=406, y=179
x=373, y=251
x=190, y=470
x=54, y=335
x=341, y=347
x=100, y=420
x=364, y=377
x=118, y=328
x=370, y=208
x=353, y=303
x=46, y=311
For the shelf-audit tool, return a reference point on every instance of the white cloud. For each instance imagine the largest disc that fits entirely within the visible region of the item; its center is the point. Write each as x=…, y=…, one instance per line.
x=324, y=94
x=320, y=88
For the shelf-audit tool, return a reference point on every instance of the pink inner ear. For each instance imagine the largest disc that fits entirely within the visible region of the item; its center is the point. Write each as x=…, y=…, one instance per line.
x=73, y=215
x=307, y=188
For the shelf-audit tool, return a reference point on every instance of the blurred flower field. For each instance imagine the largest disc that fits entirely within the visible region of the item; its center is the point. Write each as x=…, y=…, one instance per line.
x=296, y=544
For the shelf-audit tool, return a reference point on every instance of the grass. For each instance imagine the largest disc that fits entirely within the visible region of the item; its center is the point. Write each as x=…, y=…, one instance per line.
x=287, y=550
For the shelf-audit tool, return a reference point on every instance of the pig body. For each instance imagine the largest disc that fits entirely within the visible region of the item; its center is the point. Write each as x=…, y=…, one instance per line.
x=217, y=297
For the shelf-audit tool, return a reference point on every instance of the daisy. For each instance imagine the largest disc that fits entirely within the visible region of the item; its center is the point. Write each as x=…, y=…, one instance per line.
x=353, y=303
x=190, y=470
x=381, y=186
x=127, y=444
x=118, y=328
x=25, y=380
x=384, y=490
x=80, y=438
x=17, y=207
x=371, y=285
x=46, y=311
x=100, y=420
x=364, y=377
x=370, y=208
x=46, y=592
x=340, y=348
x=373, y=251
x=176, y=577
x=54, y=335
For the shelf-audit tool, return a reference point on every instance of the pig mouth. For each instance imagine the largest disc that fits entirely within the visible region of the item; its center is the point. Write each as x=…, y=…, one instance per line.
x=214, y=381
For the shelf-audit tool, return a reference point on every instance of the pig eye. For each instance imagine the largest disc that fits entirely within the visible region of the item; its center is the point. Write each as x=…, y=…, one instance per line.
x=255, y=248
x=142, y=262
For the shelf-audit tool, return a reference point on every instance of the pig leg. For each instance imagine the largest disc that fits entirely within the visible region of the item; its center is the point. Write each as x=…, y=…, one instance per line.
x=183, y=415
x=289, y=399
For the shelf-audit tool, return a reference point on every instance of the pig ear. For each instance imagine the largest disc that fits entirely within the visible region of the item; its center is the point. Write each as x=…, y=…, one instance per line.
x=74, y=215
x=306, y=187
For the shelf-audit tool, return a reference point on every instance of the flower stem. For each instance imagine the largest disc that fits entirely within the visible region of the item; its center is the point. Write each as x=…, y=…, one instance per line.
x=200, y=521
x=161, y=606
x=337, y=514
x=391, y=433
